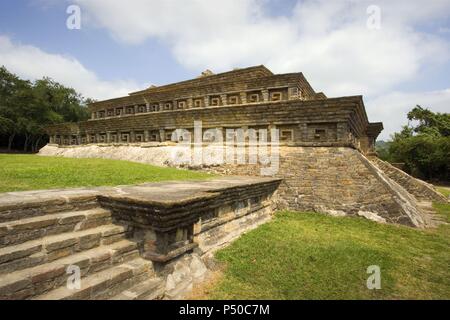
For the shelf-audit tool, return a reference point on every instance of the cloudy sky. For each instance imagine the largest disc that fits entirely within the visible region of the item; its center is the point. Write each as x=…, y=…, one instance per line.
x=396, y=53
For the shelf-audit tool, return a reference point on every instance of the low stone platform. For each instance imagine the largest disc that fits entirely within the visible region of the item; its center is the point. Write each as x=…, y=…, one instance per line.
x=147, y=241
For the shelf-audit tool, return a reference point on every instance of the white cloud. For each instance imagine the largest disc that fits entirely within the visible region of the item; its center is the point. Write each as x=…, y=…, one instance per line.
x=32, y=63
x=392, y=108
x=328, y=41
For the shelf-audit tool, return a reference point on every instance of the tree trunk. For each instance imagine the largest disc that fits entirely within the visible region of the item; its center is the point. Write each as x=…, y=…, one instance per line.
x=36, y=145
x=32, y=142
x=10, y=141
x=26, y=143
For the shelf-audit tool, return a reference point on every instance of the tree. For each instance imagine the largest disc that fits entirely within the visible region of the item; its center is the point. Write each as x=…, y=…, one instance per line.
x=437, y=124
x=15, y=94
x=26, y=108
x=424, y=145
x=382, y=148
x=7, y=127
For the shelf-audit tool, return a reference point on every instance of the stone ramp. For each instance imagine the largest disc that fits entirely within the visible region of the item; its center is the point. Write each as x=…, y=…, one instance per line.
x=418, y=188
x=410, y=211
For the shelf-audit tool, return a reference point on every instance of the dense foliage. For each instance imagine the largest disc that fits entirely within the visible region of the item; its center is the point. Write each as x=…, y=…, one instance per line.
x=423, y=145
x=27, y=107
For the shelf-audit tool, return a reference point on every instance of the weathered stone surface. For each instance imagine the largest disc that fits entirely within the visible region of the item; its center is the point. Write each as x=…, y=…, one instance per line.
x=148, y=290
x=338, y=181
x=322, y=168
x=334, y=180
x=158, y=218
x=19, y=205
x=418, y=188
x=260, y=99
x=28, y=229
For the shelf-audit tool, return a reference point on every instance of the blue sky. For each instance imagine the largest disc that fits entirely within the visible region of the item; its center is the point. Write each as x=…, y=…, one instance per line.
x=127, y=45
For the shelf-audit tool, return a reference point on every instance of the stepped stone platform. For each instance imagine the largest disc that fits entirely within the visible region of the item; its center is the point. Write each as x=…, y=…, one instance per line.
x=149, y=241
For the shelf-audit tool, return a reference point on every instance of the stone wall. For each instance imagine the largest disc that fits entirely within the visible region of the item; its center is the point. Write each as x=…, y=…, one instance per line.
x=183, y=216
x=250, y=79
x=158, y=155
x=336, y=121
x=339, y=181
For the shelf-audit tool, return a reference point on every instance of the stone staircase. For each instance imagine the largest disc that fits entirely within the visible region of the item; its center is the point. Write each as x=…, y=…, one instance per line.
x=36, y=253
x=421, y=190
x=424, y=193
x=148, y=241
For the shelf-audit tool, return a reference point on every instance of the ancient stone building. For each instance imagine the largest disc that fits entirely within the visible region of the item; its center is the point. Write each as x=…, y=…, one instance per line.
x=155, y=241
x=325, y=143
x=251, y=98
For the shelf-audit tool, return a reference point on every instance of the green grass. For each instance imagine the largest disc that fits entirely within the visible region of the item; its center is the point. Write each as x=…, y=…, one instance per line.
x=444, y=190
x=31, y=172
x=314, y=256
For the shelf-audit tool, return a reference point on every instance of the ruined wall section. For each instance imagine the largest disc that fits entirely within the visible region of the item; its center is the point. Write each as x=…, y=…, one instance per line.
x=158, y=155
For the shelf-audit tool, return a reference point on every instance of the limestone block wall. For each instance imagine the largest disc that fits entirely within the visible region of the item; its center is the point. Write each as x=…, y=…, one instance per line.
x=219, y=228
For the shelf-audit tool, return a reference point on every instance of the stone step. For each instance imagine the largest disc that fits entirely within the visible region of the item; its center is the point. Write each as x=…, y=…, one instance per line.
x=30, y=282
x=47, y=249
x=106, y=283
x=23, y=205
x=20, y=231
x=151, y=289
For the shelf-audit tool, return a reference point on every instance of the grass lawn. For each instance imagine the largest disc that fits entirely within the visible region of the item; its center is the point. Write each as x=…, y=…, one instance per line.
x=444, y=190
x=314, y=256
x=31, y=172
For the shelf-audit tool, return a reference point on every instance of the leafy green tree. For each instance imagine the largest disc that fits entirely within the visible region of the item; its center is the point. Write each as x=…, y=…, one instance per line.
x=435, y=124
x=26, y=108
x=15, y=94
x=424, y=145
x=382, y=148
